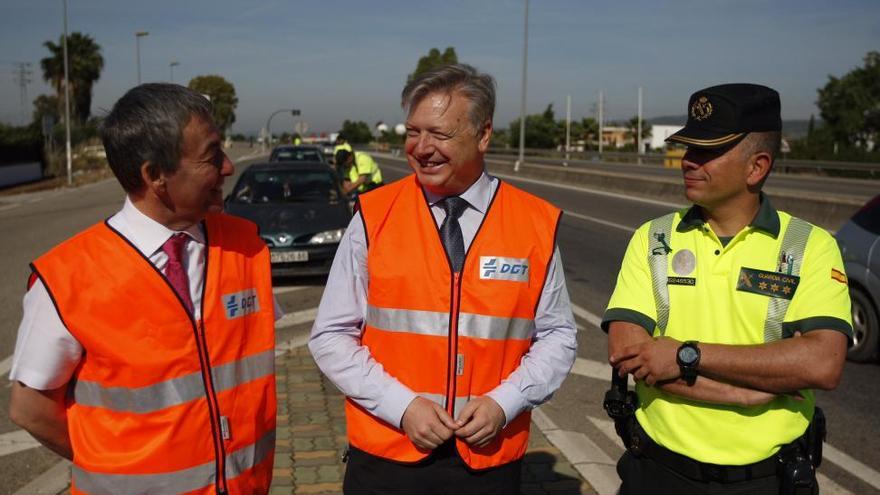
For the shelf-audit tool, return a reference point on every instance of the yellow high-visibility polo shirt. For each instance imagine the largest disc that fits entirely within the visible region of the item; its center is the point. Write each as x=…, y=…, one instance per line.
x=364, y=165
x=720, y=294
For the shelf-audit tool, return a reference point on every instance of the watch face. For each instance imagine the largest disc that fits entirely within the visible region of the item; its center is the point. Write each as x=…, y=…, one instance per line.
x=687, y=355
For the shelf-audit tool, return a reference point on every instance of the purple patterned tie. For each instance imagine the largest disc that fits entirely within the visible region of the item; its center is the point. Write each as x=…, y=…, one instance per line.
x=174, y=270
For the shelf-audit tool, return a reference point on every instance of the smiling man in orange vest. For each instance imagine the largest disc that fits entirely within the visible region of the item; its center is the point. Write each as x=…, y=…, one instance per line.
x=146, y=350
x=445, y=319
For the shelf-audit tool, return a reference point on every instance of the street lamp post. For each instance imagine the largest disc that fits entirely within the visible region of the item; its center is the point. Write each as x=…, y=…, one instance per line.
x=171, y=67
x=522, y=110
x=67, y=105
x=137, y=43
x=293, y=111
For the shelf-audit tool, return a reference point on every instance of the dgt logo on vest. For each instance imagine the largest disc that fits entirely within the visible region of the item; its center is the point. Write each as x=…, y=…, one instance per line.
x=241, y=303
x=498, y=268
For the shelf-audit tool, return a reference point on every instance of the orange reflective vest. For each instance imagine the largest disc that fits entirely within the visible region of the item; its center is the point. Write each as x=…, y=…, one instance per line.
x=451, y=336
x=162, y=403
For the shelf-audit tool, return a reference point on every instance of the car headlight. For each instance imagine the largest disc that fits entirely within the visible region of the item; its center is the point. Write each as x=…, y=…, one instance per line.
x=327, y=237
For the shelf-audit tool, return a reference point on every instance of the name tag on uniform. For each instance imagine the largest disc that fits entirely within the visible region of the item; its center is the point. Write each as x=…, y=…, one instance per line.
x=765, y=283
x=681, y=281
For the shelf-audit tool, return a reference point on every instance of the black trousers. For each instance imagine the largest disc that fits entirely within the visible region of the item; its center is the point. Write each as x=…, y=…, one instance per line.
x=642, y=475
x=442, y=473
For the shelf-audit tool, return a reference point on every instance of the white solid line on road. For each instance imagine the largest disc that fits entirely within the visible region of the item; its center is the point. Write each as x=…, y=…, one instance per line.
x=285, y=290
x=52, y=482
x=296, y=318
x=598, y=220
x=16, y=441
x=6, y=365
x=851, y=465
x=592, y=369
x=590, y=461
x=586, y=315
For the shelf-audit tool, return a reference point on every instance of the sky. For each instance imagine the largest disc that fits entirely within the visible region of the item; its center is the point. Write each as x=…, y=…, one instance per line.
x=337, y=60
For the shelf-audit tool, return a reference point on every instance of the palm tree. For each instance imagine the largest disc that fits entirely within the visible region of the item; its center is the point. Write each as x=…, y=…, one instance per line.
x=85, y=65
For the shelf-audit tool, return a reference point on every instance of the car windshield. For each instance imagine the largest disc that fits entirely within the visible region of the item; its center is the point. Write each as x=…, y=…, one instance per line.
x=286, y=186
x=296, y=155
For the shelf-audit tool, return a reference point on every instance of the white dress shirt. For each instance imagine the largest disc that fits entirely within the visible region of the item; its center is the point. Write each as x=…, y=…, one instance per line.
x=335, y=338
x=46, y=354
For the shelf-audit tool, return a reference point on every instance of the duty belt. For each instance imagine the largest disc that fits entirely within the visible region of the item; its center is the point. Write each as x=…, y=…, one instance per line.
x=705, y=472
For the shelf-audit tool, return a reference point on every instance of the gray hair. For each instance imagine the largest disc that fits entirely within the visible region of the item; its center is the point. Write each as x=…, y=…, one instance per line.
x=146, y=125
x=477, y=87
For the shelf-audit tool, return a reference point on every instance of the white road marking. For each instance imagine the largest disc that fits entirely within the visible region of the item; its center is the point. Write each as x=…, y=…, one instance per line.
x=851, y=465
x=606, y=223
x=6, y=365
x=55, y=480
x=16, y=441
x=285, y=290
x=589, y=460
x=296, y=318
x=586, y=315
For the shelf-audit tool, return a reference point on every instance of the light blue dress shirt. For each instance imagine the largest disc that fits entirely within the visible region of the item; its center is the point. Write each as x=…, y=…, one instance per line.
x=335, y=339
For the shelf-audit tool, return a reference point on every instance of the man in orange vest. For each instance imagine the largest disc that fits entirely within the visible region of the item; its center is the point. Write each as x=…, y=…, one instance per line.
x=445, y=319
x=146, y=350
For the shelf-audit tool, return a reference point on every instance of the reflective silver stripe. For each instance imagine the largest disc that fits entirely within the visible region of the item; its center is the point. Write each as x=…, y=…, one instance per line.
x=794, y=243
x=180, y=481
x=659, y=265
x=438, y=399
x=460, y=402
x=176, y=391
x=411, y=321
x=441, y=401
x=495, y=328
x=437, y=323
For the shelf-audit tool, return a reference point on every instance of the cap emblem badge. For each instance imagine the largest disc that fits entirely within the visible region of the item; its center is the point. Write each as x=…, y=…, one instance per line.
x=701, y=109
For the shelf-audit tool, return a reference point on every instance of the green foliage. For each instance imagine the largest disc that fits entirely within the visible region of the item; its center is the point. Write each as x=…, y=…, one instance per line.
x=542, y=130
x=433, y=60
x=850, y=105
x=20, y=144
x=632, y=126
x=356, y=132
x=46, y=106
x=223, y=99
x=85, y=64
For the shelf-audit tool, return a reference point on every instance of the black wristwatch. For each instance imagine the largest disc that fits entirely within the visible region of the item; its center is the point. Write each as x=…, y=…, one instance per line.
x=688, y=358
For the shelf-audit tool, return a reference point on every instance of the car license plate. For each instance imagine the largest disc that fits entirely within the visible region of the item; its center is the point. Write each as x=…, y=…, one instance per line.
x=289, y=256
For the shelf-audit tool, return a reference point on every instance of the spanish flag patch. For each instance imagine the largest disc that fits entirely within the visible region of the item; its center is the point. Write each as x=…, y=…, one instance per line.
x=839, y=276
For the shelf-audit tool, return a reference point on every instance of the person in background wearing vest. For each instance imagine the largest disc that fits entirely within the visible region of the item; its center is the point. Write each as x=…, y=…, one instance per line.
x=727, y=314
x=445, y=319
x=341, y=144
x=146, y=350
x=359, y=171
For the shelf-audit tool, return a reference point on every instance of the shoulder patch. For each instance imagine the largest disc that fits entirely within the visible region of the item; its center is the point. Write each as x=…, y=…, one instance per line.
x=839, y=276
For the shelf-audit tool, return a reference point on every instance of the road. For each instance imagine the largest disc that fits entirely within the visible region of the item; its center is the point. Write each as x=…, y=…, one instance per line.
x=592, y=238
x=837, y=187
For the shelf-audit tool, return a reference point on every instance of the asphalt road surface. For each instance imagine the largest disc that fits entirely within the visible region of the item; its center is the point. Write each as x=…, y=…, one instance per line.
x=592, y=238
x=823, y=186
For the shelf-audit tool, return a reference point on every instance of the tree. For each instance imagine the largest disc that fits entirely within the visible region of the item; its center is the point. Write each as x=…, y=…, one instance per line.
x=850, y=106
x=84, y=67
x=223, y=99
x=433, y=60
x=46, y=106
x=542, y=130
x=632, y=126
x=356, y=132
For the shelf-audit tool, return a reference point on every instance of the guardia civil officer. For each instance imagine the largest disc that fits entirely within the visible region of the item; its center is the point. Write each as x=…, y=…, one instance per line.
x=727, y=314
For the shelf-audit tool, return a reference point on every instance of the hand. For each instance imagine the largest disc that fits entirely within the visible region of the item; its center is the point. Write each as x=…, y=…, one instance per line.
x=652, y=360
x=427, y=424
x=751, y=397
x=480, y=421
